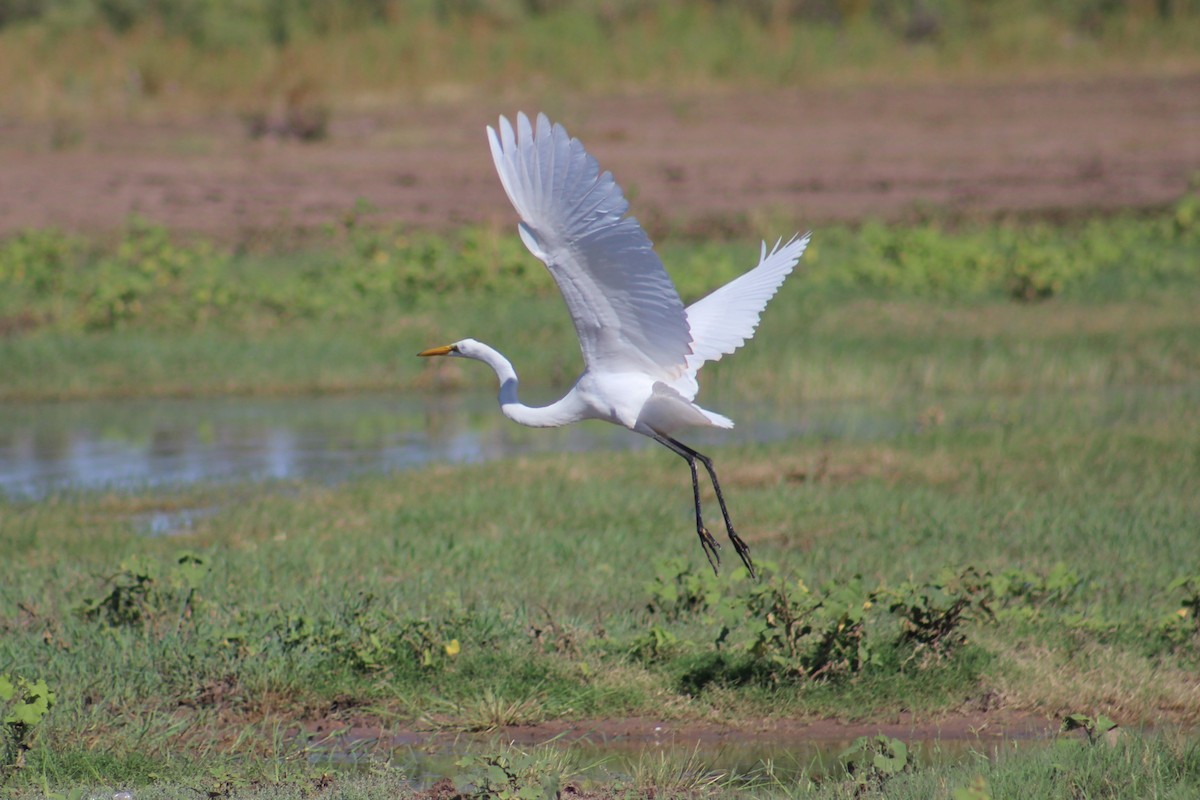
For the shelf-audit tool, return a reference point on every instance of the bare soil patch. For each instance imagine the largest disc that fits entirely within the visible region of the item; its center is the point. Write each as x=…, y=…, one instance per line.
x=712, y=163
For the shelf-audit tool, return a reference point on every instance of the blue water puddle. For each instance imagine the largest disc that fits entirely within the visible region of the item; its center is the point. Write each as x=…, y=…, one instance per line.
x=52, y=448
x=104, y=445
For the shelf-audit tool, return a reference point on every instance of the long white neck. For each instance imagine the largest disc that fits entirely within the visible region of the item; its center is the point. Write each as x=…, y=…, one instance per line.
x=568, y=409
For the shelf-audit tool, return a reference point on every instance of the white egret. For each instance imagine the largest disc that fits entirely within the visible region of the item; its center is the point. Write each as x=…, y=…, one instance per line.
x=641, y=347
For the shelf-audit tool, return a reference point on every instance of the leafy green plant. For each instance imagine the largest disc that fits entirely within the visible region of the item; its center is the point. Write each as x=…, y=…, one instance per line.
x=23, y=704
x=677, y=590
x=149, y=279
x=655, y=645
x=143, y=591
x=1035, y=270
x=1022, y=588
x=38, y=261
x=872, y=761
x=510, y=775
x=792, y=632
x=931, y=614
x=1181, y=628
x=796, y=633
x=1093, y=727
x=368, y=638
x=1185, y=217
x=149, y=275
x=428, y=643
x=1023, y=262
x=1190, y=586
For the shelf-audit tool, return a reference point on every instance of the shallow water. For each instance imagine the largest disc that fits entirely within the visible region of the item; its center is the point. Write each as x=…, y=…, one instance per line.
x=133, y=444
x=743, y=758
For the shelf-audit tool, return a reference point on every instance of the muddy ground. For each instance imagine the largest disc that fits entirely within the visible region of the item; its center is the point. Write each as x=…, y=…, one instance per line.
x=977, y=726
x=789, y=744
x=705, y=163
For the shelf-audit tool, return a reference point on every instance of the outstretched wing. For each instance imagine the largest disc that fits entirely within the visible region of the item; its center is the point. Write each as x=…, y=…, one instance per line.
x=722, y=322
x=624, y=306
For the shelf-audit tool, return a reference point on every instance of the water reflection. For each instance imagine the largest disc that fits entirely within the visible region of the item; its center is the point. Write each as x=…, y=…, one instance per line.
x=128, y=444
x=773, y=759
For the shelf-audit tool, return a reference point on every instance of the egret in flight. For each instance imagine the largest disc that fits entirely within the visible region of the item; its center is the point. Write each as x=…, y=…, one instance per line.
x=641, y=347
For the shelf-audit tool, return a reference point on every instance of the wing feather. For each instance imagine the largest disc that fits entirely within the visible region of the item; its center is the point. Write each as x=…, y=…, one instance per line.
x=625, y=308
x=722, y=322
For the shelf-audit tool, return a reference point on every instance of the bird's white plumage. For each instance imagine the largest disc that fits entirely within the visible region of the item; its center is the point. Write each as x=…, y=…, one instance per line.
x=626, y=311
x=641, y=347
x=724, y=320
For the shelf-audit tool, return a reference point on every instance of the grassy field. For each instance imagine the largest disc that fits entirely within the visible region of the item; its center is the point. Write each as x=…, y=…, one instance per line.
x=874, y=310
x=70, y=63
x=1013, y=537
x=1022, y=536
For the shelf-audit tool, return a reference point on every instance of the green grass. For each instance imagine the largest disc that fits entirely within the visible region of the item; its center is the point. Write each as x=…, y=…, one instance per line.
x=1030, y=489
x=523, y=591
x=871, y=311
x=86, y=60
x=1133, y=766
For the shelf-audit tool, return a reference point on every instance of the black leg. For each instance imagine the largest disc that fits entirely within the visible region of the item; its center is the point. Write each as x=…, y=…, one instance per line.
x=706, y=539
x=743, y=550
x=707, y=542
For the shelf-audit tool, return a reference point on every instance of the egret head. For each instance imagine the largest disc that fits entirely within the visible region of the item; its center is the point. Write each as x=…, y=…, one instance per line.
x=465, y=348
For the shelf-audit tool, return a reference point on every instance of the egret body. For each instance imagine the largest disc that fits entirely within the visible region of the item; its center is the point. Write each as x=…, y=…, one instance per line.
x=641, y=347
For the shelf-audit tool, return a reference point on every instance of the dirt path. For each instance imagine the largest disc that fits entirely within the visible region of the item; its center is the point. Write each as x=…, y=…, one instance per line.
x=703, y=162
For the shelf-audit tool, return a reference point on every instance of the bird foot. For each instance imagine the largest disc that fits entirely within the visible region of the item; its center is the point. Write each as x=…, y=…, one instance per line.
x=710, y=547
x=743, y=550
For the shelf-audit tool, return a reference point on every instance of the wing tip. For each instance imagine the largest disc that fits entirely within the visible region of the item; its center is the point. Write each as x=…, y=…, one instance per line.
x=798, y=242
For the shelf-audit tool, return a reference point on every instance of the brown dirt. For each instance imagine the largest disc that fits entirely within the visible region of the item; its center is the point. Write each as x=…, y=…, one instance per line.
x=710, y=163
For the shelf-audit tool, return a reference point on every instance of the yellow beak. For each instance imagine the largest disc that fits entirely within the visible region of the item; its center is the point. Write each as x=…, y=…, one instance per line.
x=445, y=349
